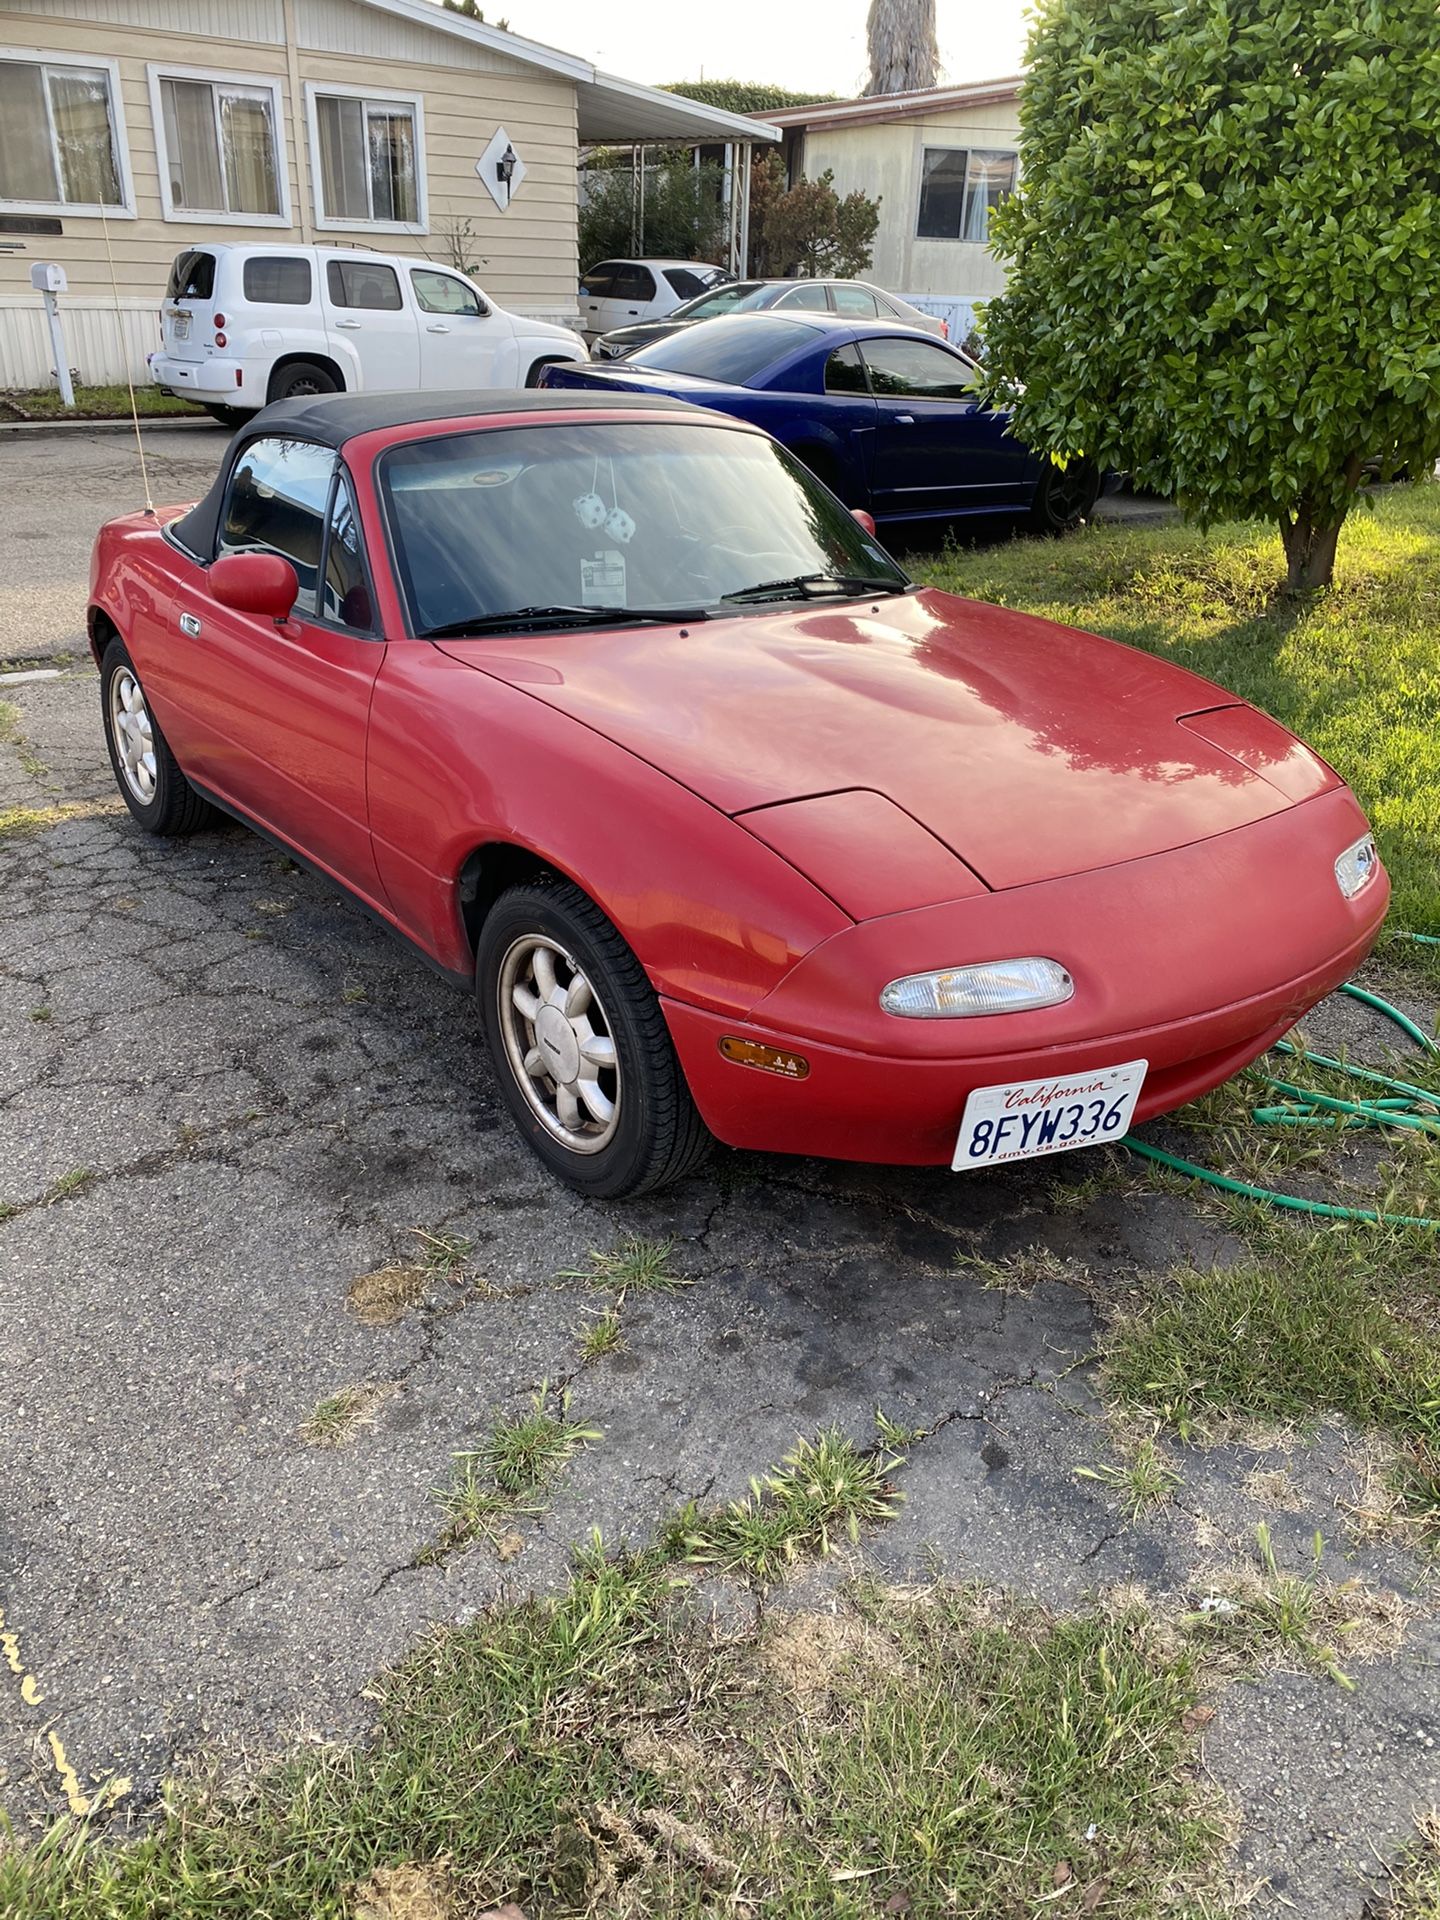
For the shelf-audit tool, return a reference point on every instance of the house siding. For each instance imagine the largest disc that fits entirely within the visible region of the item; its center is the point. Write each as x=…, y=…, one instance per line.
x=526, y=256
x=885, y=159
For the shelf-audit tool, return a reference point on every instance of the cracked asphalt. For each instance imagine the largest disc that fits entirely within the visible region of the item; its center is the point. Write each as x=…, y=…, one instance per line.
x=225, y=1095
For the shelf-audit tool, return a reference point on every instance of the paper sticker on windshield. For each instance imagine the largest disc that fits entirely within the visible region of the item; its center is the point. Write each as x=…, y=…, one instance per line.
x=602, y=580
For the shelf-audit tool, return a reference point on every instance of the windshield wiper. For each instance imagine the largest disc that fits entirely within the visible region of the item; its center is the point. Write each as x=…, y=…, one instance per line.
x=817, y=586
x=518, y=619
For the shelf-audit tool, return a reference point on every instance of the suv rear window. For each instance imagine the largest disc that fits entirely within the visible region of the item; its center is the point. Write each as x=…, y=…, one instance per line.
x=277, y=280
x=363, y=283
x=192, y=277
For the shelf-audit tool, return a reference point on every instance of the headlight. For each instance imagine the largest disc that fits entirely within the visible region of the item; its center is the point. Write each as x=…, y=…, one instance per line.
x=995, y=986
x=1357, y=866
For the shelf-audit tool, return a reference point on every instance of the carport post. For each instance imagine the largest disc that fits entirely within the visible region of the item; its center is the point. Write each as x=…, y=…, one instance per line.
x=49, y=280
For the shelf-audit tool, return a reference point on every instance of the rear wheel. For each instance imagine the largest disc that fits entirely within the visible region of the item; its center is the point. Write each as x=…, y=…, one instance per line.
x=584, y=1058
x=1064, y=496
x=146, y=772
x=300, y=378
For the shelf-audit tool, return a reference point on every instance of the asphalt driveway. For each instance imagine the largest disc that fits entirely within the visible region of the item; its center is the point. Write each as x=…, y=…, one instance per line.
x=225, y=1097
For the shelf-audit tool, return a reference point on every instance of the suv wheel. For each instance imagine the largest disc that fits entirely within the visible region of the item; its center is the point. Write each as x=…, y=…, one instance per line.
x=302, y=377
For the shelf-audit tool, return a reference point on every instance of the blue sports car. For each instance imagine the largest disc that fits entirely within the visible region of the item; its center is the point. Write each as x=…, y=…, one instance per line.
x=885, y=415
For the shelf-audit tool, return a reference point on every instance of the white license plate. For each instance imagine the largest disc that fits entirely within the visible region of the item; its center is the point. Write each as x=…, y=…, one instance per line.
x=1031, y=1117
x=180, y=326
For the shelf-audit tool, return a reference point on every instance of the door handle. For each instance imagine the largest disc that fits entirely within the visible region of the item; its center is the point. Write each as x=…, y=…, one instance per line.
x=190, y=623
x=633, y=311
x=353, y=325
x=436, y=326
x=904, y=419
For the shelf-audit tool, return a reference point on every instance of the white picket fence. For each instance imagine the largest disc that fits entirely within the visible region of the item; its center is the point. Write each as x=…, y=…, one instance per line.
x=104, y=341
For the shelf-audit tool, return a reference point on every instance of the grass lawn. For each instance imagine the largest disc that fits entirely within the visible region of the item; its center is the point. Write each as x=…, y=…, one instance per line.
x=98, y=403
x=1356, y=672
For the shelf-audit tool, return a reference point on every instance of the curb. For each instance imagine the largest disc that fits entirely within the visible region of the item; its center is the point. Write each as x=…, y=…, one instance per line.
x=62, y=427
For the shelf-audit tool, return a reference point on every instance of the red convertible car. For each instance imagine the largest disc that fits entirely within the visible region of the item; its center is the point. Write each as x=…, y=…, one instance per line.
x=613, y=711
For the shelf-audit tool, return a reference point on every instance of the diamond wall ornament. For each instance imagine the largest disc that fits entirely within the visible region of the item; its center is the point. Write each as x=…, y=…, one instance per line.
x=501, y=169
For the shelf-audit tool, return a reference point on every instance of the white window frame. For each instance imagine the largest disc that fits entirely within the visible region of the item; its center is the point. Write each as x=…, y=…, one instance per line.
x=956, y=239
x=314, y=90
x=75, y=209
x=245, y=83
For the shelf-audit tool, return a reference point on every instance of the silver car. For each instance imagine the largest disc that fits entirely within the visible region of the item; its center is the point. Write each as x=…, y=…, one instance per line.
x=855, y=299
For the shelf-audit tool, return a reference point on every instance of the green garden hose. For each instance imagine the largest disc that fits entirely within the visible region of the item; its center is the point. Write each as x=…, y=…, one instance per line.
x=1304, y=1107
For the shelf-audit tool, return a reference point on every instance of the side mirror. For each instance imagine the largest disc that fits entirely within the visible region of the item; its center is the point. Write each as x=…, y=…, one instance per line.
x=866, y=520
x=259, y=583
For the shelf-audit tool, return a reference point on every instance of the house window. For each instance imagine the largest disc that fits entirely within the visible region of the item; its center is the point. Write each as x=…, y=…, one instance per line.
x=220, y=148
x=368, y=166
x=958, y=189
x=61, y=137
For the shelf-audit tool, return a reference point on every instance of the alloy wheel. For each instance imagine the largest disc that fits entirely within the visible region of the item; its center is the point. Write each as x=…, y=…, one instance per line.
x=559, y=1043
x=133, y=734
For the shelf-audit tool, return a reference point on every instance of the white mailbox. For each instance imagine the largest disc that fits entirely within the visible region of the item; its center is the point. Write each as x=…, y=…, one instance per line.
x=47, y=277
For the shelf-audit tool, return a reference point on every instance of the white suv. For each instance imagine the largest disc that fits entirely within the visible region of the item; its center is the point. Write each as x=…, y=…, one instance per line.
x=244, y=325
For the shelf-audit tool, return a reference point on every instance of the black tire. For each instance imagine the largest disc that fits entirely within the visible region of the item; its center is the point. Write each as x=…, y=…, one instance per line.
x=532, y=378
x=302, y=377
x=1064, y=496
x=173, y=808
x=229, y=416
x=659, y=1137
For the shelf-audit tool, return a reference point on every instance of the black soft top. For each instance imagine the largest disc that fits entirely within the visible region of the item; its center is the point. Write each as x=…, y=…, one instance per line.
x=333, y=419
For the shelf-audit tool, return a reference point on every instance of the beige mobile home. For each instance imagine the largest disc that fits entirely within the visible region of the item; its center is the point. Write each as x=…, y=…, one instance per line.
x=130, y=129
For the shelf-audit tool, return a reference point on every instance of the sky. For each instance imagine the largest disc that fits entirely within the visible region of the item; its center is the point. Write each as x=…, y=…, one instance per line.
x=802, y=44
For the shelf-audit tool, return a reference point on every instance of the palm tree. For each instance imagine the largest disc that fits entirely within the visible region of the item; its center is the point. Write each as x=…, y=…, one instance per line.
x=901, y=39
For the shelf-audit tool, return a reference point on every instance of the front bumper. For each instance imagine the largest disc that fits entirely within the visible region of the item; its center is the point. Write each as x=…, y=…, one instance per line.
x=1214, y=951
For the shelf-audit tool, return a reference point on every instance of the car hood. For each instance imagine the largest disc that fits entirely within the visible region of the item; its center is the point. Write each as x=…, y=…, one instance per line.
x=1030, y=750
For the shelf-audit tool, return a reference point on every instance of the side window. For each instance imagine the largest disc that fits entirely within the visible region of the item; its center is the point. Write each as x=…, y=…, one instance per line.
x=857, y=300
x=913, y=369
x=277, y=280
x=276, y=504
x=443, y=293
x=633, y=283
x=363, y=283
x=811, y=297
x=346, y=595
x=845, y=372
x=599, y=283
x=685, y=283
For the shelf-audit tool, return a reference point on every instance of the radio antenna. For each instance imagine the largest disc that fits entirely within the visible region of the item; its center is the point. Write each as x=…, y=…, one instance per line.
x=125, y=358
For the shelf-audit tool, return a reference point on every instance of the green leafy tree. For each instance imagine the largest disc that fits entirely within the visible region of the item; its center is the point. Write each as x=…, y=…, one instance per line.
x=811, y=230
x=1224, y=260
x=684, y=213
x=744, y=96
x=472, y=12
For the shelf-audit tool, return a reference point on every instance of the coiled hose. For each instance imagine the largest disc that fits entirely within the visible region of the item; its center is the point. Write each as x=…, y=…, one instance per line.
x=1398, y=1105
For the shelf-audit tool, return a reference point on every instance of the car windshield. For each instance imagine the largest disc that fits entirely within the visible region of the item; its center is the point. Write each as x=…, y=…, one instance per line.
x=739, y=298
x=575, y=516
x=733, y=349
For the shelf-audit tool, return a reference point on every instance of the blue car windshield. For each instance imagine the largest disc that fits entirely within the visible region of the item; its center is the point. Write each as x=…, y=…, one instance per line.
x=603, y=515
x=733, y=350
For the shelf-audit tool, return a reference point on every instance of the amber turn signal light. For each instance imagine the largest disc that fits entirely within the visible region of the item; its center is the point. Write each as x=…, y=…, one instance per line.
x=750, y=1053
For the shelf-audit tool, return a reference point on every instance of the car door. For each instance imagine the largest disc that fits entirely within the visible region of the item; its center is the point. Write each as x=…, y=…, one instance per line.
x=634, y=295
x=806, y=296
x=464, y=342
x=856, y=303
x=596, y=288
x=278, y=711
x=937, y=450
x=366, y=309
x=835, y=433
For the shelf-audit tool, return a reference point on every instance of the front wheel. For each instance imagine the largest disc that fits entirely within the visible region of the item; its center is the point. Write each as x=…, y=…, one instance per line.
x=1064, y=496
x=584, y=1058
x=146, y=772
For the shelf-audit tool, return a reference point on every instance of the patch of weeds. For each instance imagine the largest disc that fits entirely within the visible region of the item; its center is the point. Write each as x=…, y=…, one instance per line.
x=352, y=995
x=340, y=1416
x=604, y=1752
x=67, y=1185
x=42, y=1014
x=821, y=1494
x=16, y=822
x=9, y=723
x=1023, y=1271
x=513, y=1470
x=1263, y=1614
x=896, y=1438
x=602, y=1335
x=1144, y=1479
x=380, y=1298
x=1112, y=1172
x=634, y=1266
x=1327, y=1322
x=1414, y=1891
x=8, y=1210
